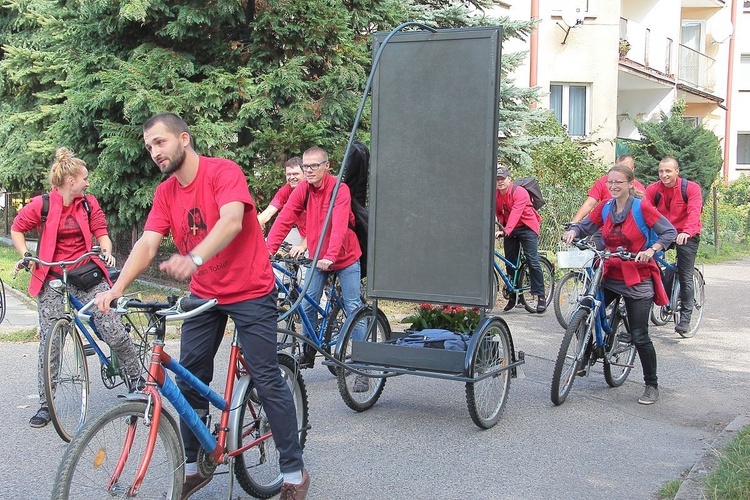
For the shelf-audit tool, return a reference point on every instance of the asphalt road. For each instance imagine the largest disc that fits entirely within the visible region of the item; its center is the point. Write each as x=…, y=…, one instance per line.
x=418, y=441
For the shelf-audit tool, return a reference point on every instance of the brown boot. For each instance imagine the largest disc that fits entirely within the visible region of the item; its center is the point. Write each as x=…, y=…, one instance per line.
x=193, y=483
x=296, y=491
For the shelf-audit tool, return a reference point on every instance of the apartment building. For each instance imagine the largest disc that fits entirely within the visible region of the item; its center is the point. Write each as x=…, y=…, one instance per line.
x=604, y=63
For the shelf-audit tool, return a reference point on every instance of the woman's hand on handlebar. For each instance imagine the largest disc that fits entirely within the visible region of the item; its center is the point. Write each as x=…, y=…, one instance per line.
x=645, y=255
x=568, y=236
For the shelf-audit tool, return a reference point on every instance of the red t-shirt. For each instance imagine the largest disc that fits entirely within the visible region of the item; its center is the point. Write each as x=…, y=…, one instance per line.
x=600, y=192
x=280, y=199
x=240, y=271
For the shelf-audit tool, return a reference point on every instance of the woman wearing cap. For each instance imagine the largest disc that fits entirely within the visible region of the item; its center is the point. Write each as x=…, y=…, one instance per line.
x=519, y=224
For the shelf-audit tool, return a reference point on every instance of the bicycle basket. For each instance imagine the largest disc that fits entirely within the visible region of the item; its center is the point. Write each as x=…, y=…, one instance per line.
x=575, y=258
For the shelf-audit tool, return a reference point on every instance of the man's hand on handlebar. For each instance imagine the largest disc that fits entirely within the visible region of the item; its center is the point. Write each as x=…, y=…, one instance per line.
x=103, y=300
x=297, y=251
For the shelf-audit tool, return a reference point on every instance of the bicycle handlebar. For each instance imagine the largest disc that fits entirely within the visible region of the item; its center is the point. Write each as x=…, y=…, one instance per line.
x=587, y=244
x=299, y=261
x=96, y=251
x=183, y=308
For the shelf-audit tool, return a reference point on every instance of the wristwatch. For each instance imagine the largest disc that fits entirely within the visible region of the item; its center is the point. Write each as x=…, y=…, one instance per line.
x=197, y=260
x=653, y=247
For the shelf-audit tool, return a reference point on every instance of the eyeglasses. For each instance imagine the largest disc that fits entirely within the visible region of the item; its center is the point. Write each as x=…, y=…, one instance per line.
x=615, y=183
x=313, y=166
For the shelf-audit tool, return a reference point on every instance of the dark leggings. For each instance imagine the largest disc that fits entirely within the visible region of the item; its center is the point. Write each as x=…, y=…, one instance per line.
x=638, y=316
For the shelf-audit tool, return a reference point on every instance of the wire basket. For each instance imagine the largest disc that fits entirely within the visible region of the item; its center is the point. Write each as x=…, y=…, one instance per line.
x=574, y=258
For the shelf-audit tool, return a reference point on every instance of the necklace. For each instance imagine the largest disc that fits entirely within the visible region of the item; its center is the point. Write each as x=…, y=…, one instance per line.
x=191, y=213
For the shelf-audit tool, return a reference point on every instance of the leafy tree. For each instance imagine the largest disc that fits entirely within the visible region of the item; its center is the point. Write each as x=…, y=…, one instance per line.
x=258, y=81
x=695, y=148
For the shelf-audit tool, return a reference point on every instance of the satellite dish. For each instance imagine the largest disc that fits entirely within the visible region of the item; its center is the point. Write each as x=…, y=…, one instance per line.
x=572, y=15
x=721, y=30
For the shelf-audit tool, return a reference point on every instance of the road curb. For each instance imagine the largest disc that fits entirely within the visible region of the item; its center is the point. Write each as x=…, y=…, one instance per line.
x=692, y=485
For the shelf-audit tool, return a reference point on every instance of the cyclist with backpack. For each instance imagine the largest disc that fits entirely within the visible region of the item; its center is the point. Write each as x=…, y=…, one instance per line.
x=520, y=224
x=294, y=176
x=638, y=281
x=67, y=220
x=681, y=202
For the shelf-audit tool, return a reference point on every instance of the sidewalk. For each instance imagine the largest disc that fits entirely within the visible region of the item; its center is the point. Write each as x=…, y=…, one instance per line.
x=20, y=312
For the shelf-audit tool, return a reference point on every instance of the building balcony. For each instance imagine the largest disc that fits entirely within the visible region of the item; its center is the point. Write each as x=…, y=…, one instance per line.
x=696, y=69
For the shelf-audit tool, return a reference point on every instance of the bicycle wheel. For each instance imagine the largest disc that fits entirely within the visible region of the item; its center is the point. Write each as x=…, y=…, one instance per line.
x=500, y=292
x=2, y=301
x=90, y=461
x=486, y=398
x=139, y=326
x=570, y=357
x=699, y=295
x=661, y=315
x=257, y=469
x=293, y=322
x=336, y=319
x=548, y=275
x=360, y=392
x=66, y=378
x=567, y=291
x=618, y=360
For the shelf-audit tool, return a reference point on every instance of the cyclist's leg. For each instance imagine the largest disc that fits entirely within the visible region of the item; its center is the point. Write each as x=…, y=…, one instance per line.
x=638, y=313
x=113, y=332
x=256, y=326
x=200, y=339
x=350, y=289
x=511, y=248
x=317, y=280
x=49, y=306
x=685, y=264
x=530, y=242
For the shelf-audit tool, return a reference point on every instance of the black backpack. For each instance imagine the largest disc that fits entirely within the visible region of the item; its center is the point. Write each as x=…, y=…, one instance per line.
x=683, y=190
x=45, y=211
x=531, y=185
x=355, y=176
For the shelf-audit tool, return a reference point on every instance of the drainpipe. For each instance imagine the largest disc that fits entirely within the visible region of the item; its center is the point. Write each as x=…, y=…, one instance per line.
x=730, y=75
x=534, y=47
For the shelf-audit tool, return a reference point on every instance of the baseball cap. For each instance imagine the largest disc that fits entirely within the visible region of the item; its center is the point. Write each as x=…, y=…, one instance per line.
x=502, y=172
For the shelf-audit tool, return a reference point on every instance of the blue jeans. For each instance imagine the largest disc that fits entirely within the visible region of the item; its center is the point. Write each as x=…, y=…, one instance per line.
x=350, y=289
x=525, y=237
x=255, y=320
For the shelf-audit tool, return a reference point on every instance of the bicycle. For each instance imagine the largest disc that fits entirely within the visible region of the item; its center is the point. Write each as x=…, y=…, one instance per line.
x=135, y=449
x=661, y=315
x=333, y=313
x=521, y=282
x=2, y=301
x=573, y=283
x=66, y=374
x=594, y=332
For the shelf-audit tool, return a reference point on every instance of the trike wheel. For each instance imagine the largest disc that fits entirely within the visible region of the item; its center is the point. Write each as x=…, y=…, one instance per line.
x=570, y=357
x=486, y=398
x=548, y=277
x=699, y=295
x=360, y=392
x=66, y=378
x=567, y=292
x=620, y=355
x=257, y=469
x=119, y=438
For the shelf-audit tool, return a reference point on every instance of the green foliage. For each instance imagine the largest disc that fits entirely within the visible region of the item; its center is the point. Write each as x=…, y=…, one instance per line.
x=447, y=317
x=695, y=148
x=258, y=82
x=731, y=479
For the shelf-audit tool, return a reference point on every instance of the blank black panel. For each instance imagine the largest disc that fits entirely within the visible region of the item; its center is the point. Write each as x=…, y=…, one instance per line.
x=433, y=164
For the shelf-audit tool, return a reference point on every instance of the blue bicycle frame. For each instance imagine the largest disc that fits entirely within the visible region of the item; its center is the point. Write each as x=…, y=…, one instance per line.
x=77, y=305
x=509, y=285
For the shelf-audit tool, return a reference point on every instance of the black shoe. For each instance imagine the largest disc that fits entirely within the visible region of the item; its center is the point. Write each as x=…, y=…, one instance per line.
x=511, y=303
x=683, y=326
x=41, y=418
x=541, y=305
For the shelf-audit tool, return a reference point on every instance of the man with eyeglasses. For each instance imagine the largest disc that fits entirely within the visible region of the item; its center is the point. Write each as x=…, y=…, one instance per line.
x=340, y=252
x=520, y=223
x=599, y=191
x=682, y=206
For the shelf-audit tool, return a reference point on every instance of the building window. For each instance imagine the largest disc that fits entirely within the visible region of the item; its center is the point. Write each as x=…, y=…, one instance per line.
x=570, y=105
x=743, y=148
x=695, y=121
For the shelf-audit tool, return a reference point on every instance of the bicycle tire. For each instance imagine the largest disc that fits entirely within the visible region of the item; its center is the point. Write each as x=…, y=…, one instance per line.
x=66, y=378
x=661, y=315
x=336, y=319
x=567, y=292
x=570, y=357
x=486, y=398
x=619, y=356
x=361, y=400
x=500, y=294
x=699, y=297
x=257, y=469
x=139, y=326
x=548, y=275
x=293, y=322
x=87, y=465
x=2, y=301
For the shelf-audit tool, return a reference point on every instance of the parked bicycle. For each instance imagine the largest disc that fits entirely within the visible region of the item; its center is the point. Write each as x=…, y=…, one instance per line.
x=661, y=315
x=2, y=301
x=595, y=332
x=134, y=449
x=69, y=342
x=520, y=284
x=333, y=313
